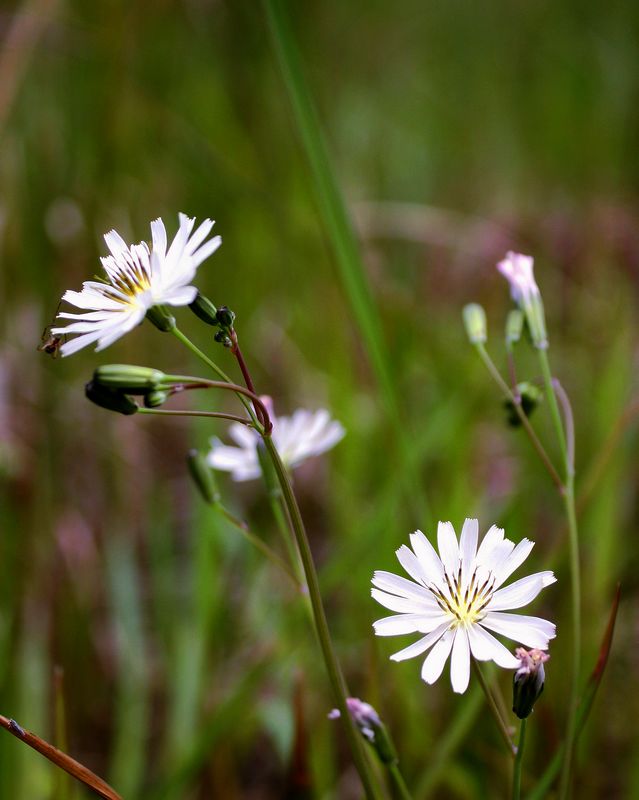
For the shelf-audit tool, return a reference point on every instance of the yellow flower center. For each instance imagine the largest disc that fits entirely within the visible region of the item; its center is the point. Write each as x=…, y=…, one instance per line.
x=466, y=607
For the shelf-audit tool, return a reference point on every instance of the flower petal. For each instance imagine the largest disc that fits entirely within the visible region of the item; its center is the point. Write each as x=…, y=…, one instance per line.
x=492, y=538
x=400, y=604
x=529, y=631
x=427, y=556
x=521, y=592
x=421, y=645
x=514, y=560
x=448, y=547
x=409, y=561
x=398, y=624
x=434, y=664
x=460, y=662
x=468, y=548
x=485, y=647
x=395, y=584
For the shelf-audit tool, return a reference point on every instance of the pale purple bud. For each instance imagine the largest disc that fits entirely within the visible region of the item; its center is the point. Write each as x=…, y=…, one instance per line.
x=518, y=271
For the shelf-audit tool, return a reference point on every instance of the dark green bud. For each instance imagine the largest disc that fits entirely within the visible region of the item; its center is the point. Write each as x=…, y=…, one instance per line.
x=530, y=397
x=128, y=378
x=203, y=477
x=111, y=399
x=156, y=398
x=161, y=318
x=222, y=338
x=528, y=680
x=225, y=317
x=203, y=308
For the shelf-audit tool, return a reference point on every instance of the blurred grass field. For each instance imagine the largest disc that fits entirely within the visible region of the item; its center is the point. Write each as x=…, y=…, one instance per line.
x=457, y=131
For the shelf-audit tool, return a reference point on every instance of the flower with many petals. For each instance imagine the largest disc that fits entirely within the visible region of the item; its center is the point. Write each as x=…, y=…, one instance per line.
x=518, y=271
x=304, y=434
x=137, y=278
x=455, y=599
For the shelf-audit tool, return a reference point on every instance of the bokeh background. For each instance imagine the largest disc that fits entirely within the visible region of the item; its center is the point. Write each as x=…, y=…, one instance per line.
x=138, y=630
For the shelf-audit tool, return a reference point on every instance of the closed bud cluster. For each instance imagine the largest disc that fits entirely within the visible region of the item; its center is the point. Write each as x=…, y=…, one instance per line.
x=156, y=398
x=128, y=378
x=111, y=399
x=475, y=323
x=371, y=727
x=529, y=396
x=528, y=680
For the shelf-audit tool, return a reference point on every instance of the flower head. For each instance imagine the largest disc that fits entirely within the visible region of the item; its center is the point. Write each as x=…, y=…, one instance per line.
x=137, y=278
x=518, y=271
x=528, y=680
x=455, y=599
x=301, y=436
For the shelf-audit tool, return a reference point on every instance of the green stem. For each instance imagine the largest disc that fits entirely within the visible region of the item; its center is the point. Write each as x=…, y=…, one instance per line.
x=575, y=576
x=163, y=412
x=494, y=372
x=338, y=683
x=501, y=724
x=518, y=761
x=398, y=782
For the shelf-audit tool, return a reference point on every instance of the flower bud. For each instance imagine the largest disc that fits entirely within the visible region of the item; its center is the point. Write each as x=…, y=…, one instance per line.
x=475, y=323
x=203, y=308
x=161, y=318
x=371, y=727
x=518, y=271
x=128, y=378
x=203, y=476
x=225, y=317
x=111, y=399
x=156, y=398
x=514, y=326
x=528, y=680
x=530, y=396
x=222, y=338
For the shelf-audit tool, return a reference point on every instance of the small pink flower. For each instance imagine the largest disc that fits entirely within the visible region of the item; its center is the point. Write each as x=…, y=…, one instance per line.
x=518, y=271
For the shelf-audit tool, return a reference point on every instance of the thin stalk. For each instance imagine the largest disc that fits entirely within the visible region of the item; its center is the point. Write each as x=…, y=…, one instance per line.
x=337, y=680
x=501, y=724
x=541, y=452
x=163, y=412
x=401, y=790
x=575, y=576
x=237, y=352
x=518, y=761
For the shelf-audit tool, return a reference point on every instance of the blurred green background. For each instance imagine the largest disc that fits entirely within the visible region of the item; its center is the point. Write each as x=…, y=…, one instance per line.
x=137, y=629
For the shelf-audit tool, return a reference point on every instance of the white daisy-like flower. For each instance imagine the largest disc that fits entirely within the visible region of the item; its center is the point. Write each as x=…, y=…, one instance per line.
x=298, y=437
x=518, y=271
x=137, y=278
x=455, y=599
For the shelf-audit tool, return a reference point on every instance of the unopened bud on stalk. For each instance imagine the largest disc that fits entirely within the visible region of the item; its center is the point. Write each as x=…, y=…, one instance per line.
x=518, y=271
x=530, y=397
x=203, y=476
x=111, y=399
x=128, y=378
x=225, y=317
x=528, y=680
x=514, y=326
x=203, y=308
x=156, y=398
x=222, y=338
x=475, y=323
x=371, y=727
x=161, y=318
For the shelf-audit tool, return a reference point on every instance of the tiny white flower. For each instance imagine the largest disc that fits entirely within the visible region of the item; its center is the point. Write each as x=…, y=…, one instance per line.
x=455, y=599
x=518, y=271
x=301, y=436
x=137, y=278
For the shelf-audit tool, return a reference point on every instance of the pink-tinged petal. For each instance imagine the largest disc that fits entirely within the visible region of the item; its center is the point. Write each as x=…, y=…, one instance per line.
x=395, y=584
x=529, y=631
x=448, y=547
x=433, y=666
x=398, y=624
x=409, y=561
x=421, y=645
x=485, y=647
x=243, y=436
x=460, y=662
x=521, y=592
x=427, y=557
x=514, y=560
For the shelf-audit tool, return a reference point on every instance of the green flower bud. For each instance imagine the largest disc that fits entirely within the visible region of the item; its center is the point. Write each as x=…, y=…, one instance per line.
x=514, y=326
x=475, y=323
x=111, y=399
x=128, y=378
x=203, y=477
x=156, y=398
x=161, y=318
x=225, y=317
x=530, y=396
x=528, y=680
x=203, y=308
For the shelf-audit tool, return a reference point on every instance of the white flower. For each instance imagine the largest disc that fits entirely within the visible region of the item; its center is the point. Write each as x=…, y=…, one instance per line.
x=455, y=599
x=136, y=279
x=305, y=434
x=518, y=271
